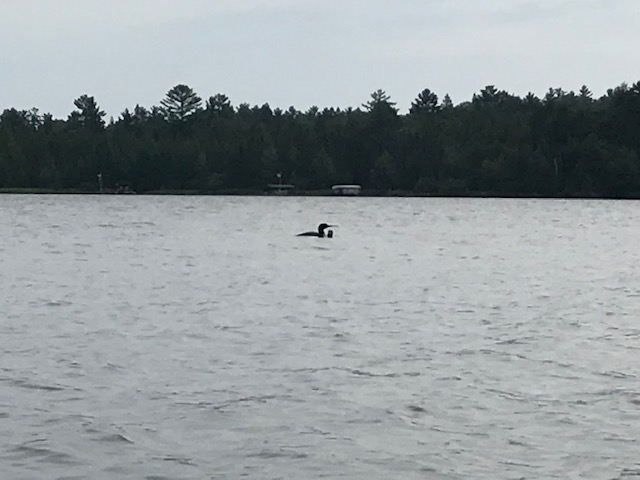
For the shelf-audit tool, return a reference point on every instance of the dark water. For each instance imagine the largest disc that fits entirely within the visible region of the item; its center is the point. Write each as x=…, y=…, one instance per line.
x=198, y=338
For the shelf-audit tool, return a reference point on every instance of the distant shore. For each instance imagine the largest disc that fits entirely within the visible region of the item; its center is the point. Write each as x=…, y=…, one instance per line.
x=311, y=193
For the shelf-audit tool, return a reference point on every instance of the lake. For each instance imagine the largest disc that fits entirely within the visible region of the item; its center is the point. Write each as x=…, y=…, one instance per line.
x=198, y=338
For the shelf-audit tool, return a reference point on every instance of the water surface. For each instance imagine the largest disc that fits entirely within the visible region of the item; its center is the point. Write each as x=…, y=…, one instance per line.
x=197, y=337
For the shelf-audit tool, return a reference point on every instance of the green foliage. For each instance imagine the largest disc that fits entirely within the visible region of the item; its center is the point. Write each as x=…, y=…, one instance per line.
x=380, y=103
x=564, y=144
x=427, y=101
x=220, y=106
x=88, y=114
x=180, y=102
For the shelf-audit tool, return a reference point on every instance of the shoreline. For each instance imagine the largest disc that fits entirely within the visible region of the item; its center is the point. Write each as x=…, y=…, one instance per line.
x=314, y=193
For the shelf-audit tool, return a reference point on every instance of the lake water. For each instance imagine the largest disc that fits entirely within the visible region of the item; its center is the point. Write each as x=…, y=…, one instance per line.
x=198, y=338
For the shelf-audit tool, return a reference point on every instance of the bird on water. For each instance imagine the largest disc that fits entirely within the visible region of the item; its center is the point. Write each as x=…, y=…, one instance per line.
x=320, y=233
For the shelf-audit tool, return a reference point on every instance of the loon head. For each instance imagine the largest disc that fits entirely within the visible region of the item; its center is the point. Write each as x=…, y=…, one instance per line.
x=322, y=227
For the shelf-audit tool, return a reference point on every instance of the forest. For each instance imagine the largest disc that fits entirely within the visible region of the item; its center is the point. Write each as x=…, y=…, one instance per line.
x=566, y=144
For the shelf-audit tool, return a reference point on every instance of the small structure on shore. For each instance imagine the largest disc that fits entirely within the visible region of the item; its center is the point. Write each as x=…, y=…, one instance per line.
x=124, y=188
x=279, y=188
x=346, y=189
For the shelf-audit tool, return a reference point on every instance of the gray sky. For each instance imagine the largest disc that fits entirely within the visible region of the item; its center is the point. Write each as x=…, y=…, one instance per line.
x=328, y=53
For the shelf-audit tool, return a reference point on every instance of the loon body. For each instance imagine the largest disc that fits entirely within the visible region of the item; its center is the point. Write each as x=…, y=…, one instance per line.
x=320, y=233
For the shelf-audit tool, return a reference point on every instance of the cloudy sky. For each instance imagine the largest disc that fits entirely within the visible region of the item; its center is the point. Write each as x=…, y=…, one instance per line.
x=308, y=52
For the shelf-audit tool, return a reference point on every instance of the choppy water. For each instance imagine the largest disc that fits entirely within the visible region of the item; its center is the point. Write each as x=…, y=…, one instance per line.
x=198, y=338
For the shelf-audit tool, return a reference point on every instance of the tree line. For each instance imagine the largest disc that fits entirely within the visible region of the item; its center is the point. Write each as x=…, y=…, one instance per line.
x=565, y=144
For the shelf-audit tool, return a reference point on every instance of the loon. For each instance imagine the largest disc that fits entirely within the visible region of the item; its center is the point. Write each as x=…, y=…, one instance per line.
x=320, y=233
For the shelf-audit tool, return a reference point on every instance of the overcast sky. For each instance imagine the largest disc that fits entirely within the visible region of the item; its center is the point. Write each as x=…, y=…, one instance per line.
x=328, y=53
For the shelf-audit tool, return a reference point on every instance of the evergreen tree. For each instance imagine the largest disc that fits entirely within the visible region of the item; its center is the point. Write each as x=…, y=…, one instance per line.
x=88, y=114
x=180, y=102
x=427, y=101
x=220, y=106
x=380, y=101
